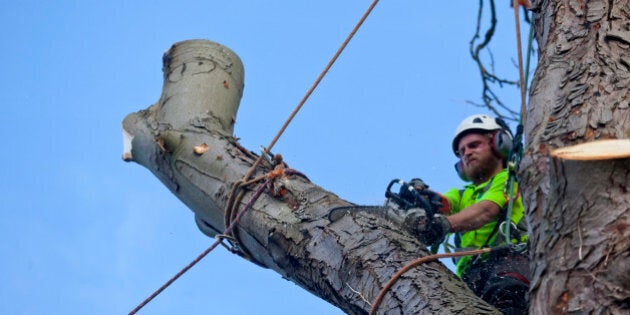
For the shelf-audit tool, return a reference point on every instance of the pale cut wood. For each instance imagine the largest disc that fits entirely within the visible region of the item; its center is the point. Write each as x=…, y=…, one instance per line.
x=595, y=150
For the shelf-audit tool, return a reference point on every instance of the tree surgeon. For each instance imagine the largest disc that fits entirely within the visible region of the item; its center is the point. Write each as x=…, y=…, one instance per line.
x=476, y=215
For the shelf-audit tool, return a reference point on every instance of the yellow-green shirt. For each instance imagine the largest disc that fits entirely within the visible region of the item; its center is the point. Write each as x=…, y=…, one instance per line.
x=491, y=190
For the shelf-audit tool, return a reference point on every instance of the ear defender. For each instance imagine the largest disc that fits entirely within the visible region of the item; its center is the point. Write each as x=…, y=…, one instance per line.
x=502, y=143
x=502, y=139
x=459, y=168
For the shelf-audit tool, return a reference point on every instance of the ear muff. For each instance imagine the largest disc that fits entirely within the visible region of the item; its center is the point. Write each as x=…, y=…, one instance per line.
x=502, y=143
x=502, y=139
x=459, y=168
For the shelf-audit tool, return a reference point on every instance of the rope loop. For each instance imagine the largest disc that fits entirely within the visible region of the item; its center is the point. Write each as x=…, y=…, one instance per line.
x=237, y=192
x=232, y=243
x=232, y=215
x=504, y=229
x=230, y=211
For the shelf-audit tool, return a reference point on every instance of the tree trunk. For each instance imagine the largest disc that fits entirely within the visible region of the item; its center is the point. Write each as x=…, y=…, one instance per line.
x=578, y=211
x=186, y=140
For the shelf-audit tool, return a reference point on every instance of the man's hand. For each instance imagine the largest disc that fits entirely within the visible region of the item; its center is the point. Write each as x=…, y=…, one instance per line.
x=438, y=202
x=418, y=184
x=429, y=231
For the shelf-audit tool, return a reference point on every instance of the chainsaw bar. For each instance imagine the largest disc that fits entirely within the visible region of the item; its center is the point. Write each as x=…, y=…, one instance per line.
x=337, y=213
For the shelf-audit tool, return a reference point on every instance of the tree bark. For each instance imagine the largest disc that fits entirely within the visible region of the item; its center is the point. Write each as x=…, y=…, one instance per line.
x=346, y=262
x=579, y=211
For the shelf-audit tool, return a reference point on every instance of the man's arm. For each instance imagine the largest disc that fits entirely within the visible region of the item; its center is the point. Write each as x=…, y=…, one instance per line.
x=474, y=216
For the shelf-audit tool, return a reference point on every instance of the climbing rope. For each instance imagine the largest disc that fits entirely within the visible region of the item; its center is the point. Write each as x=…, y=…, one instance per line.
x=233, y=197
x=521, y=75
x=515, y=155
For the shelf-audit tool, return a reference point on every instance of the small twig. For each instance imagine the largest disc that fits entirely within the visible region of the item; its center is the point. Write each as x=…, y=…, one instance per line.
x=359, y=294
x=488, y=77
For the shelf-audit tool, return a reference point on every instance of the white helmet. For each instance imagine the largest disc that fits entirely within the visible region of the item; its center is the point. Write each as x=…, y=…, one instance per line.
x=474, y=122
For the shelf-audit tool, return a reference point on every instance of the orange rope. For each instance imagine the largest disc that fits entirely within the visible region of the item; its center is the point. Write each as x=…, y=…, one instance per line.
x=517, y=6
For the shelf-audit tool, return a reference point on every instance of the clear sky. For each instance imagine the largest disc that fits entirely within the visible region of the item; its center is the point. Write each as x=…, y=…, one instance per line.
x=85, y=233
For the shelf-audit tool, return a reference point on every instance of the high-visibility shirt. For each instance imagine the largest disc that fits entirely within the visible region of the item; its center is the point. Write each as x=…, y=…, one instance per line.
x=491, y=190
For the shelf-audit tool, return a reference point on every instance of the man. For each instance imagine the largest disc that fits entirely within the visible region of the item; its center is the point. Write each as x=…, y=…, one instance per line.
x=475, y=215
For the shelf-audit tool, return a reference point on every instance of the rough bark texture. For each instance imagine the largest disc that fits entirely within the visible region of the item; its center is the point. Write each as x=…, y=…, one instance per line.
x=345, y=262
x=579, y=210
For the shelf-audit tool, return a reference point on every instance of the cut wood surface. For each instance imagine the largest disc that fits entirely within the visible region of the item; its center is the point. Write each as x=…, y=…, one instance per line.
x=595, y=150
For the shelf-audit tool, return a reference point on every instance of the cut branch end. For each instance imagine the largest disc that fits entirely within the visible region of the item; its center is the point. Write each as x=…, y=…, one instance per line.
x=595, y=150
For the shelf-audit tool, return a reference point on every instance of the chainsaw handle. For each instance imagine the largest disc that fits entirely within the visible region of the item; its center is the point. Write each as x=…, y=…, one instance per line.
x=388, y=191
x=389, y=194
x=419, y=199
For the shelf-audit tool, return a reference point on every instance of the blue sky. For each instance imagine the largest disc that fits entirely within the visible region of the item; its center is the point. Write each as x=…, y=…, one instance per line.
x=85, y=233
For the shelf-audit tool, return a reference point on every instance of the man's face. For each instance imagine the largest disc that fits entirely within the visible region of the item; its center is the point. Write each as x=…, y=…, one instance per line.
x=479, y=162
